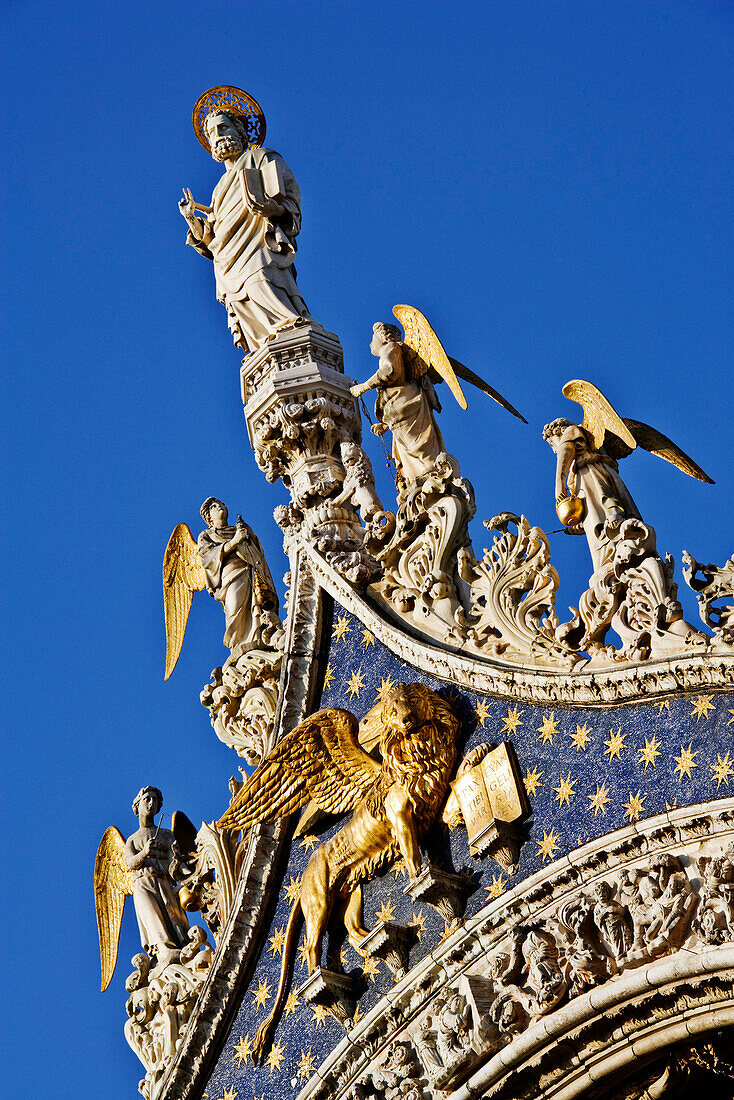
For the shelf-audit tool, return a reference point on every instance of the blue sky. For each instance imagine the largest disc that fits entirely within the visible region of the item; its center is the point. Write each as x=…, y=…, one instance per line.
x=550, y=182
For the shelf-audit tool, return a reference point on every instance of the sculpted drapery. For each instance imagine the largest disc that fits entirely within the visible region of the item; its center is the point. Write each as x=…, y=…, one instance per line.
x=240, y=580
x=253, y=255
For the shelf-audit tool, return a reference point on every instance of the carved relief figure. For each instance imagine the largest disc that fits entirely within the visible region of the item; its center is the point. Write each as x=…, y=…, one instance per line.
x=631, y=589
x=394, y=802
x=406, y=399
x=613, y=921
x=251, y=226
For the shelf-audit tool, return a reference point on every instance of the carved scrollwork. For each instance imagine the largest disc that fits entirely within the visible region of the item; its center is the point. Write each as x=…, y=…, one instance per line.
x=241, y=698
x=713, y=588
x=512, y=594
x=421, y=578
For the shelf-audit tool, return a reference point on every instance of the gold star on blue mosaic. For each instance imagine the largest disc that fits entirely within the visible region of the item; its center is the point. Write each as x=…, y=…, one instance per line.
x=684, y=762
x=635, y=806
x=400, y=869
x=275, y=1057
x=386, y=686
x=581, y=737
x=722, y=770
x=261, y=994
x=328, y=677
x=230, y=1094
x=496, y=886
x=355, y=683
x=306, y=1065
x=291, y=1004
x=511, y=722
x=615, y=744
x=651, y=750
x=701, y=705
x=532, y=781
x=368, y=638
x=731, y=720
x=482, y=711
x=309, y=841
x=565, y=790
x=547, y=728
x=370, y=967
x=277, y=942
x=341, y=628
x=242, y=1050
x=548, y=845
x=598, y=801
x=293, y=889
x=664, y=704
x=386, y=911
x=319, y=1014
x=418, y=922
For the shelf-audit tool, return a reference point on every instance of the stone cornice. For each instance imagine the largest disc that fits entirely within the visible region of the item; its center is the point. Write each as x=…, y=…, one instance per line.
x=597, y=687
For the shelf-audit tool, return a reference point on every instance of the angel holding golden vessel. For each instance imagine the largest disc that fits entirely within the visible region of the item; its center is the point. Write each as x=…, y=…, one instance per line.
x=631, y=589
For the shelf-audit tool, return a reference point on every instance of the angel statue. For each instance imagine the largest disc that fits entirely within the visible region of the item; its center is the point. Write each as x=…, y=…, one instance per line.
x=631, y=588
x=230, y=564
x=327, y=761
x=249, y=231
x=406, y=398
x=144, y=868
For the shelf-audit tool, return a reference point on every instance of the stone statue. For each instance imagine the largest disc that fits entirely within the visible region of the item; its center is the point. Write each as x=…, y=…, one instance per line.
x=631, y=589
x=406, y=398
x=230, y=563
x=251, y=227
x=142, y=868
x=168, y=974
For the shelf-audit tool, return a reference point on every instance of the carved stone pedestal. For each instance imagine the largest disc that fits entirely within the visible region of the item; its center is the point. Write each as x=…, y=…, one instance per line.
x=305, y=428
x=501, y=841
x=336, y=992
x=445, y=892
x=390, y=942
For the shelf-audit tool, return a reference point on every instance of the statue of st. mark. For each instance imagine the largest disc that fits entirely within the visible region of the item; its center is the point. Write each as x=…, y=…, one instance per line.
x=251, y=226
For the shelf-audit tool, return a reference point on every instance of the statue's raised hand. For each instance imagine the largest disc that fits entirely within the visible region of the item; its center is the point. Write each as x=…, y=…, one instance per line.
x=186, y=205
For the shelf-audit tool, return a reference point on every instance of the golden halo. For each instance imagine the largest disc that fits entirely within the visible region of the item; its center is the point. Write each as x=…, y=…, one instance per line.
x=236, y=102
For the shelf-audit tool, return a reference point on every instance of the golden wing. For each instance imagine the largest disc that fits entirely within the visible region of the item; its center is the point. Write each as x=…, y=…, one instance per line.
x=658, y=444
x=320, y=759
x=113, y=882
x=183, y=574
x=425, y=350
x=599, y=414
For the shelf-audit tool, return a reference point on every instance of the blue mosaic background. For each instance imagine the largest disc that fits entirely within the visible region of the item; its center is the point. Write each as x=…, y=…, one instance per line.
x=587, y=772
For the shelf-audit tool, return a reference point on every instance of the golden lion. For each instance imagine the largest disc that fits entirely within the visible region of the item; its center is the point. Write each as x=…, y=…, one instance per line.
x=325, y=759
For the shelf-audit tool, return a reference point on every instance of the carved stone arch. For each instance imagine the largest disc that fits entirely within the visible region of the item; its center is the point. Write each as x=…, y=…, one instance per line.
x=601, y=1043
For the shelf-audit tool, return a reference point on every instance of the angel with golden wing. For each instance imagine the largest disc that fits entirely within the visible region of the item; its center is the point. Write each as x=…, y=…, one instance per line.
x=589, y=489
x=229, y=562
x=142, y=867
x=631, y=588
x=406, y=398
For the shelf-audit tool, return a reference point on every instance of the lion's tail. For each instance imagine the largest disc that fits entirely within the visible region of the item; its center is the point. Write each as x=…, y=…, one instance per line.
x=266, y=1029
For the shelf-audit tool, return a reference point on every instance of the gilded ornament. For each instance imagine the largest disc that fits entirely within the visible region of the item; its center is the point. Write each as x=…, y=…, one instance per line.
x=234, y=101
x=326, y=759
x=570, y=511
